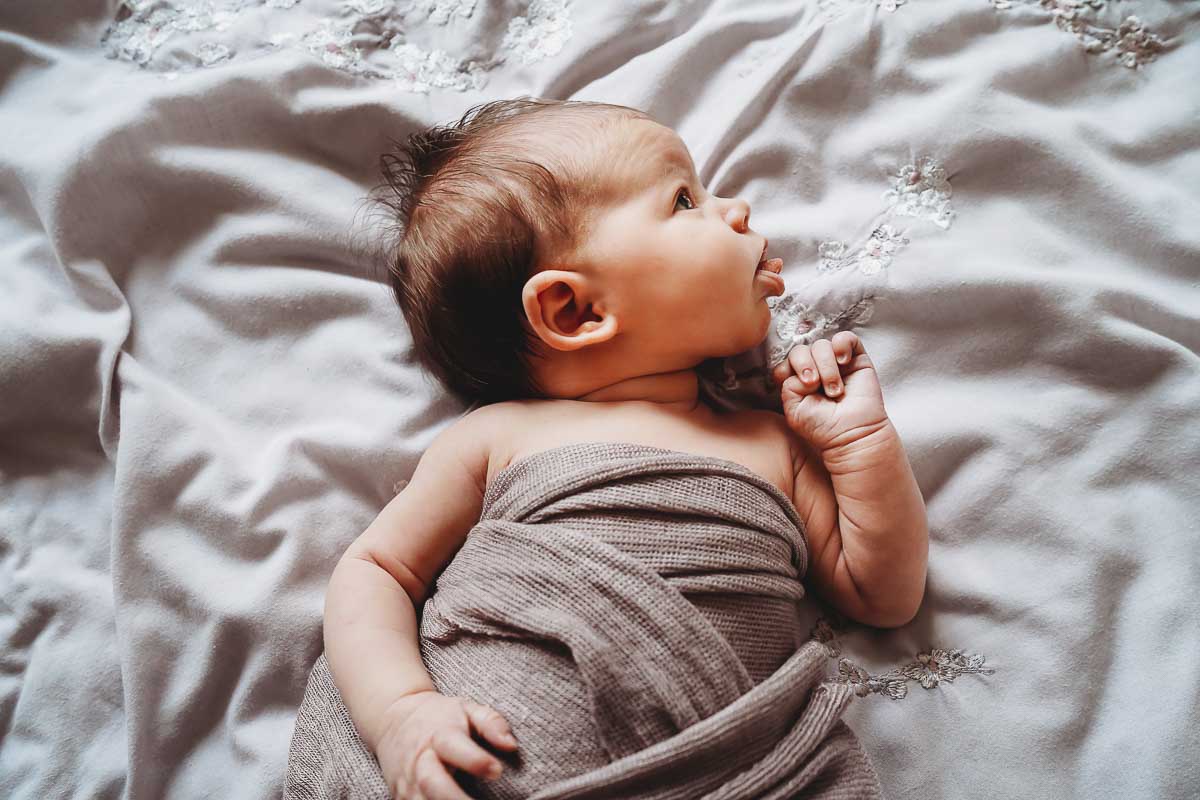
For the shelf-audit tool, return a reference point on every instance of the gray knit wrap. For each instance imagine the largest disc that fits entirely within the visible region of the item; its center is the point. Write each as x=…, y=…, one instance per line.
x=632, y=612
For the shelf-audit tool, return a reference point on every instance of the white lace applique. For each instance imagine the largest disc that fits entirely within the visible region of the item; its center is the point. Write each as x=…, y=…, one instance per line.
x=795, y=323
x=1135, y=46
x=930, y=669
x=541, y=33
x=363, y=37
x=871, y=258
x=832, y=9
x=440, y=11
x=922, y=190
x=143, y=26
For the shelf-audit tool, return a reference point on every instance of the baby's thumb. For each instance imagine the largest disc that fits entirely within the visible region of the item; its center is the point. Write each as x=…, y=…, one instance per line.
x=790, y=398
x=780, y=372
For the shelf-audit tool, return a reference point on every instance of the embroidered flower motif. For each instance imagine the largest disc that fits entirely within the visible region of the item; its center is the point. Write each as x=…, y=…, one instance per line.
x=797, y=323
x=143, y=26
x=922, y=190
x=541, y=33
x=367, y=8
x=832, y=9
x=928, y=669
x=365, y=39
x=420, y=70
x=874, y=256
x=440, y=11
x=892, y=683
x=824, y=634
x=931, y=668
x=1135, y=46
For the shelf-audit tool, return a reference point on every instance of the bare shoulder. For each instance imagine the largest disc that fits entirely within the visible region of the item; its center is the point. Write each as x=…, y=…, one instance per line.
x=771, y=429
x=499, y=428
x=419, y=530
x=772, y=443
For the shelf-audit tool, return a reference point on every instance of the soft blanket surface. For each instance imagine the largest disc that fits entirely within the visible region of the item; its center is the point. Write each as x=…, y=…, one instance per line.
x=206, y=392
x=631, y=611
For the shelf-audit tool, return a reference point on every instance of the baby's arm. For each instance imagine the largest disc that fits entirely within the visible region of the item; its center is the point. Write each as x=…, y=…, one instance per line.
x=371, y=623
x=868, y=557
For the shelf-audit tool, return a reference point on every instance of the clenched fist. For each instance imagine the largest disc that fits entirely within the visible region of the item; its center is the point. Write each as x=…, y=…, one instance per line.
x=830, y=392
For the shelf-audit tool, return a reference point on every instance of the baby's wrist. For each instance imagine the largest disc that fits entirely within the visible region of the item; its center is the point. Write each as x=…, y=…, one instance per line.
x=862, y=445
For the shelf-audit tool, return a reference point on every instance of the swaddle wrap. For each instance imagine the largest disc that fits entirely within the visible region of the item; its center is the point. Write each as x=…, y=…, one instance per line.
x=632, y=612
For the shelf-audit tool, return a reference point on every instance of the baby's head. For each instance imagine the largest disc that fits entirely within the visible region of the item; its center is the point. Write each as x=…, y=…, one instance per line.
x=548, y=248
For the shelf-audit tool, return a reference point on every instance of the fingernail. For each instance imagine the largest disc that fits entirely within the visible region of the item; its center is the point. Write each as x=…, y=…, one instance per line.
x=807, y=375
x=494, y=771
x=843, y=358
x=508, y=737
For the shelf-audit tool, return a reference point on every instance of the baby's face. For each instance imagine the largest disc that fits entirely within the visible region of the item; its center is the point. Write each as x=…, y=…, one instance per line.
x=678, y=264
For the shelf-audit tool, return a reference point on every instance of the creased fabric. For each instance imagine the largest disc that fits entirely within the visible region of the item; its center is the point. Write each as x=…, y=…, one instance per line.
x=632, y=612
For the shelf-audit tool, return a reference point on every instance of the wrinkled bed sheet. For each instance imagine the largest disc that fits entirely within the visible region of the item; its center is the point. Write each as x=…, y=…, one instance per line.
x=207, y=391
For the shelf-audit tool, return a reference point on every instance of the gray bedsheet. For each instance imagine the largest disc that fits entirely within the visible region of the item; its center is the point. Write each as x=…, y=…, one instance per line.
x=206, y=392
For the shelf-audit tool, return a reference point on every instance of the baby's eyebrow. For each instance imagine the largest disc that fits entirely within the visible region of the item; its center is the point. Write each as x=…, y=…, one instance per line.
x=674, y=167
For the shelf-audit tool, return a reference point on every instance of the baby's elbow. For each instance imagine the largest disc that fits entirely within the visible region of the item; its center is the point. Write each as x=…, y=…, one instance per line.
x=892, y=618
x=892, y=614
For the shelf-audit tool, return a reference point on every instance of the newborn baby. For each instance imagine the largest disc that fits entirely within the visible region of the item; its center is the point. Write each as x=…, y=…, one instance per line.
x=562, y=264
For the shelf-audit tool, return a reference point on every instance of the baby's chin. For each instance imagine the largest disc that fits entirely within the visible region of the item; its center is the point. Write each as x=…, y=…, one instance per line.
x=750, y=337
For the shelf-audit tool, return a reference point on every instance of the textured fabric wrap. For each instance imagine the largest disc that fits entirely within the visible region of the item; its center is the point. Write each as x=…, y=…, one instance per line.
x=632, y=612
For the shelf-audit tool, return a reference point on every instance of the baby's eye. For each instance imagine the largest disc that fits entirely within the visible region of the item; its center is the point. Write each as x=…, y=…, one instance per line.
x=683, y=193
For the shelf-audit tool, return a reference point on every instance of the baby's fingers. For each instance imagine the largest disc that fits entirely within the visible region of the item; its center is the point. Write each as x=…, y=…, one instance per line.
x=433, y=781
x=458, y=750
x=846, y=345
x=800, y=362
x=490, y=724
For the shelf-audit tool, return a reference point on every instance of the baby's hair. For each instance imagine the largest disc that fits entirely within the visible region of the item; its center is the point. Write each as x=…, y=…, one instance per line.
x=478, y=206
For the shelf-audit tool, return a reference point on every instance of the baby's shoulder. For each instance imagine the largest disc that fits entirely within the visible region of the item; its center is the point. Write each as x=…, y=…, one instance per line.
x=501, y=426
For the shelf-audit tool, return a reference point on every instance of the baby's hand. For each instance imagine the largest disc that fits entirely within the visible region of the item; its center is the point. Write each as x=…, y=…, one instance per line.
x=830, y=392
x=428, y=731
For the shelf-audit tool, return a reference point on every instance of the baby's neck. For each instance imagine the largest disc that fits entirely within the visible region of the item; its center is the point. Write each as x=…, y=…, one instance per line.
x=678, y=390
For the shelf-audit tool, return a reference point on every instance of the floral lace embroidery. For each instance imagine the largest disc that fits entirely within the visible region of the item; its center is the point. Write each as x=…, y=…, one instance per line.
x=440, y=11
x=922, y=190
x=929, y=669
x=797, y=323
x=1135, y=46
x=832, y=9
x=142, y=27
x=539, y=34
x=874, y=256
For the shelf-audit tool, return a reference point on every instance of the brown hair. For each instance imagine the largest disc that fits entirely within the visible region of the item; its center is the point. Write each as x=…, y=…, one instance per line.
x=477, y=210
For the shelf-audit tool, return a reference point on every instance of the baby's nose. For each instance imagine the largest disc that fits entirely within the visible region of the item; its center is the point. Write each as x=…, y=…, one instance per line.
x=738, y=216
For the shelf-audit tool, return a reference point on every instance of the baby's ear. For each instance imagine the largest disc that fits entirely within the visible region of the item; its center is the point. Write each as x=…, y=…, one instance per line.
x=563, y=311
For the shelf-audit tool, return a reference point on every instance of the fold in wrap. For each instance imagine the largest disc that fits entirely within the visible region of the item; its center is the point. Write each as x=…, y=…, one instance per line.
x=632, y=613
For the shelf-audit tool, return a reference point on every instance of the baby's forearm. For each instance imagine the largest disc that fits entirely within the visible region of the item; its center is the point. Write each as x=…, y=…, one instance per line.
x=882, y=523
x=371, y=642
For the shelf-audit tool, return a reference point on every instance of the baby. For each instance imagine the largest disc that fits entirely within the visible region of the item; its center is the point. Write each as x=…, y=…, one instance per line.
x=562, y=264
